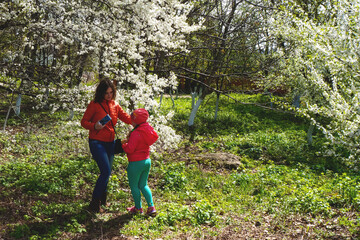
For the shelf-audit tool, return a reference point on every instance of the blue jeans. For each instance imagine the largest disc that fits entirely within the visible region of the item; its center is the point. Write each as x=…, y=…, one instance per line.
x=103, y=154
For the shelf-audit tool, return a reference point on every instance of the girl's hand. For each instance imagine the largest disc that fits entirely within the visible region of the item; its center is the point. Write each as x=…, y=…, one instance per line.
x=98, y=125
x=124, y=141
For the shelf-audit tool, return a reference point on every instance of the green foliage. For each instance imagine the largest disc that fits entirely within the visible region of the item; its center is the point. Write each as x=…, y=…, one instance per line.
x=173, y=215
x=60, y=177
x=74, y=227
x=352, y=225
x=281, y=176
x=20, y=231
x=204, y=213
x=174, y=177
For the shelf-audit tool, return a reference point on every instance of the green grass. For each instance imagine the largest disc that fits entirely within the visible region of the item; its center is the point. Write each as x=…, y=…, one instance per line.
x=283, y=187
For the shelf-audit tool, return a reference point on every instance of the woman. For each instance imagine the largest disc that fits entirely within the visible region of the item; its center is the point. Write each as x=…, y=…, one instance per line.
x=101, y=137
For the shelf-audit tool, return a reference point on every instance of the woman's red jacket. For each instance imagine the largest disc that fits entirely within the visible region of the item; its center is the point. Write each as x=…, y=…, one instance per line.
x=94, y=112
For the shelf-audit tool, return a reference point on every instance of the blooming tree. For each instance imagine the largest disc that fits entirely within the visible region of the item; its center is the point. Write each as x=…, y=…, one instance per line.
x=58, y=40
x=320, y=60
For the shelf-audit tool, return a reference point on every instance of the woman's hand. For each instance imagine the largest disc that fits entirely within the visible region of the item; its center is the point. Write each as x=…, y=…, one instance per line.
x=128, y=136
x=124, y=141
x=98, y=125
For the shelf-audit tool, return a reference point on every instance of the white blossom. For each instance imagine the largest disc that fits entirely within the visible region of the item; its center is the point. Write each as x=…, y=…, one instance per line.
x=324, y=68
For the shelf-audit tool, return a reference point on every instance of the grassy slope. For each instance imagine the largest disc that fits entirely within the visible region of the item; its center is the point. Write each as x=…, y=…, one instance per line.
x=283, y=189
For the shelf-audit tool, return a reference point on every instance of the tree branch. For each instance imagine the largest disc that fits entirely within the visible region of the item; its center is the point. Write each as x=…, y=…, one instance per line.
x=260, y=6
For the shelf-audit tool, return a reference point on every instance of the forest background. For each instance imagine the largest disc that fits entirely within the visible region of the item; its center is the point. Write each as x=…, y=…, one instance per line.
x=271, y=85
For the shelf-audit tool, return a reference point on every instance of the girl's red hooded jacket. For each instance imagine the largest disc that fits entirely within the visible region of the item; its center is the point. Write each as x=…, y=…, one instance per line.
x=138, y=146
x=95, y=112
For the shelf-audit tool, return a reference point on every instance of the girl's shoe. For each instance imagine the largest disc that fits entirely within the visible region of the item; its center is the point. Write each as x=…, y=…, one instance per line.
x=151, y=211
x=134, y=210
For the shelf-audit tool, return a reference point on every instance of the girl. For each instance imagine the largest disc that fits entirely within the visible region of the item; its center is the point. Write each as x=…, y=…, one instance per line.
x=137, y=149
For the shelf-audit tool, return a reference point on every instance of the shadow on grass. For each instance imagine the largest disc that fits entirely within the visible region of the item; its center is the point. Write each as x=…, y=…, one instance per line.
x=97, y=228
x=83, y=225
x=275, y=136
x=238, y=119
x=19, y=221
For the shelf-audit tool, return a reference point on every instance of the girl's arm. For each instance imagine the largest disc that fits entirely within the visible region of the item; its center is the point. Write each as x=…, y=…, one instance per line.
x=130, y=145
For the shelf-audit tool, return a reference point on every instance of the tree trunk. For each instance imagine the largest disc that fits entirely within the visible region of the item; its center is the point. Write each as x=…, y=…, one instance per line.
x=171, y=96
x=309, y=134
x=161, y=97
x=46, y=98
x=217, y=105
x=101, y=64
x=71, y=113
x=296, y=100
x=195, y=107
x=194, y=111
x=7, y=117
x=193, y=97
x=17, y=106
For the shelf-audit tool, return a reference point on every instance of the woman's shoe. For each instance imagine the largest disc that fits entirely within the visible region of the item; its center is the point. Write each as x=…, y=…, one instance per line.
x=94, y=206
x=134, y=210
x=103, y=199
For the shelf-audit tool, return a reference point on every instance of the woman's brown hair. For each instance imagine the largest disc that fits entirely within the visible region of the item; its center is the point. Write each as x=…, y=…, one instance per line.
x=101, y=90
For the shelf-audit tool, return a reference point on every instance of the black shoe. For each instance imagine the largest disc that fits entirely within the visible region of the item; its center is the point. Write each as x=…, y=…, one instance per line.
x=103, y=199
x=94, y=206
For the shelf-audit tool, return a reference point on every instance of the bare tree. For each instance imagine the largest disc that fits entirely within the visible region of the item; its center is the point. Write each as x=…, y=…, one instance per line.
x=233, y=45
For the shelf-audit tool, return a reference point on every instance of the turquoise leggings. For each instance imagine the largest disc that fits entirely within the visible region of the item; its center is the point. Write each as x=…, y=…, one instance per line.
x=138, y=173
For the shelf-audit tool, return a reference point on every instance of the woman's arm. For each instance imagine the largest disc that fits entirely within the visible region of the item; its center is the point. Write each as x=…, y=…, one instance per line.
x=123, y=116
x=88, y=115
